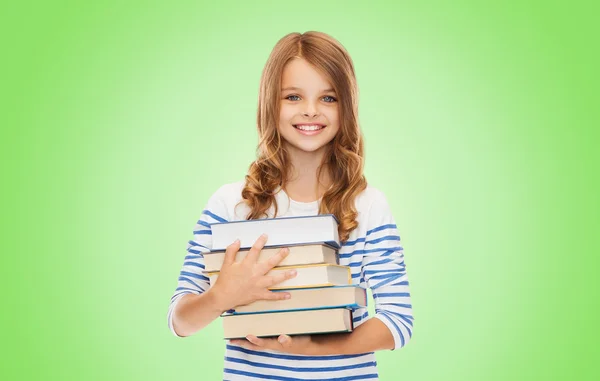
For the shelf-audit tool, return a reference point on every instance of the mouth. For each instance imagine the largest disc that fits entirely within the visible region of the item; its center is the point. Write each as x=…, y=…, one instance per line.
x=309, y=127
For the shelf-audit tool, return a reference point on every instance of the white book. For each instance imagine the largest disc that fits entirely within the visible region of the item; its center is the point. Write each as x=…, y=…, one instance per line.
x=289, y=323
x=281, y=231
x=349, y=296
x=320, y=275
x=298, y=255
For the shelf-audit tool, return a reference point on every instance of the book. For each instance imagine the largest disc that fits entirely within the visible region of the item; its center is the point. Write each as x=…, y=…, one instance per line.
x=288, y=231
x=288, y=322
x=298, y=255
x=349, y=296
x=317, y=275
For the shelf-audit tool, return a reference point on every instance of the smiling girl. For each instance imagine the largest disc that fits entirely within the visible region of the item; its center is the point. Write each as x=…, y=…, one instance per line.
x=310, y=161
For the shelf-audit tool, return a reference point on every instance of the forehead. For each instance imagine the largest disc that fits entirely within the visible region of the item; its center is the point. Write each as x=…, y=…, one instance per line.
x=300, y=74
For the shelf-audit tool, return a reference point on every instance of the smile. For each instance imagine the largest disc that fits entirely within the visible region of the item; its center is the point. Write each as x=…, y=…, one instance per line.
x=309, y=130
x=306, y=127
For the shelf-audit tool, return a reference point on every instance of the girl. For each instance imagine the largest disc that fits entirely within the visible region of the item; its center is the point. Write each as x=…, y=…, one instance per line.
x=310, y=161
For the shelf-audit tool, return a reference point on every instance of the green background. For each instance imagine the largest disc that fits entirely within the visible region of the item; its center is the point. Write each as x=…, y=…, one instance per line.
x=119, y=120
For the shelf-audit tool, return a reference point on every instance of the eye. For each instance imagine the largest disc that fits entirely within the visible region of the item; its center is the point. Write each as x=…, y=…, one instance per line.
x=288, y=97
x=332, y=99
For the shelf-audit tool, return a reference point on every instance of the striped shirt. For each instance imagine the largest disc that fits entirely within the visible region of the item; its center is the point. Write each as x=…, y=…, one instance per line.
x=376, y=260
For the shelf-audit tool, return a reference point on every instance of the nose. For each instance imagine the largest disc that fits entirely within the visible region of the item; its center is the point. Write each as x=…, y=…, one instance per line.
x=310, y=109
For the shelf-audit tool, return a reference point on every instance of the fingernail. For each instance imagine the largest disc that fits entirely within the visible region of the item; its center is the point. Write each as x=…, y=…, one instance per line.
x=282, y=339
x=293, y=272
x=264, y=235
x=287, y=296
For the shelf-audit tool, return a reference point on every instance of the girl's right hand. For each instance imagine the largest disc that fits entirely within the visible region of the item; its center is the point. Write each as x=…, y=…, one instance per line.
x=241, y=283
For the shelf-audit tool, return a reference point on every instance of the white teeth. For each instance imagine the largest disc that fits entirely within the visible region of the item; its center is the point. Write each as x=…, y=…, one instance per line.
x=309, y=128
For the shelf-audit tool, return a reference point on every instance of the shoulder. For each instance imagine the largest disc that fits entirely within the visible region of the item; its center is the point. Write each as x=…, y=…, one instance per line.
x=371, y=199
x=221, y=201
x=373, y=209
x=229, y=192
x=227, y=199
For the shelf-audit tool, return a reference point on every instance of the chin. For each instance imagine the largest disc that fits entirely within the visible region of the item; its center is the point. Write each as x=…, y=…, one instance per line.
x=309, y=147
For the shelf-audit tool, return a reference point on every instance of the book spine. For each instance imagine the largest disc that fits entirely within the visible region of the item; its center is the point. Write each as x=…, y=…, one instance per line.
x=347, y=306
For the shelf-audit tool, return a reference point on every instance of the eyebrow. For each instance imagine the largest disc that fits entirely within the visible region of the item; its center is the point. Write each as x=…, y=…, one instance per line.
x=297, y=89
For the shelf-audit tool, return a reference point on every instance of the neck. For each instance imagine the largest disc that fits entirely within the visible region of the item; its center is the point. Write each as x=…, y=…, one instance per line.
x=303, y=184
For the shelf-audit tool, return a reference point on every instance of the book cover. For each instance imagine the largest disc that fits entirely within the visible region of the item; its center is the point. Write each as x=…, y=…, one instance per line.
x=281, y=231
x=347, y=296
x=298, y=255
x=308, y=276
x=290, y=323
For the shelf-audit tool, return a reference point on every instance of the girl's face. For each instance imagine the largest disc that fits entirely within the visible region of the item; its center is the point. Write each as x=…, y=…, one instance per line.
x=308, y=118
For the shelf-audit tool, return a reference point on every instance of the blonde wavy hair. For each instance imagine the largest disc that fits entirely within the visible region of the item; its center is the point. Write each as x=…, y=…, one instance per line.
x=344, y=158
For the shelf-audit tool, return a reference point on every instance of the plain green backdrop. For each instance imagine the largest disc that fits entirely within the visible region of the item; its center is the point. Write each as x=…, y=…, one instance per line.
x=119, y=120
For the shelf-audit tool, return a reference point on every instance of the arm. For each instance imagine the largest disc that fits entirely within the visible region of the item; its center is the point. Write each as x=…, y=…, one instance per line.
x=192, y=307
x=370, y=336
x=373, y=335
x=194, y=312
x=195, y=304
x=384, y=271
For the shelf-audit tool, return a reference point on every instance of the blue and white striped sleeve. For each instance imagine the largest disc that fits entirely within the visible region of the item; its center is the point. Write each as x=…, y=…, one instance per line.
x=191, y=279
x=384, y=270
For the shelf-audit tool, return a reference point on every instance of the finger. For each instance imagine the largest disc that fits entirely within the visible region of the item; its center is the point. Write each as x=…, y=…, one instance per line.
x=245, y=344
x=270, y=295
x=274, y=260
x=230, y=252
x=279, y=277
x=285, y=341
x=252, y=256
x=255, y=340
x=264, y=343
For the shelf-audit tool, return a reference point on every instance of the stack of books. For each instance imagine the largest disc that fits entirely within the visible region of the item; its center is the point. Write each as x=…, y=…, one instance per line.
x=322, y=294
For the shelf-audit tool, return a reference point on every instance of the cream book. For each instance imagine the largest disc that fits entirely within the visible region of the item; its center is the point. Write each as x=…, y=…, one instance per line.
x=281, y=231
x=289, y=323
x=298, y=255
x=350, y=296
x=319, y=275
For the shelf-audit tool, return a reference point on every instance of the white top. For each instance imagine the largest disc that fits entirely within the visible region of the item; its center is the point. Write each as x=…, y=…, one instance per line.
x=376, y=261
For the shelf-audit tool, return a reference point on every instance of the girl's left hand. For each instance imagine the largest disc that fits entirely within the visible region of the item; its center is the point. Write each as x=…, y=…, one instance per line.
x=301, y=345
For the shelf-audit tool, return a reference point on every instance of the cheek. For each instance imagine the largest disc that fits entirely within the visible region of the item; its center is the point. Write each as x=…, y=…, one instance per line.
x=334, y=119
x=335, y=130
x=286, y=114
x=333, y=115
